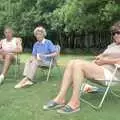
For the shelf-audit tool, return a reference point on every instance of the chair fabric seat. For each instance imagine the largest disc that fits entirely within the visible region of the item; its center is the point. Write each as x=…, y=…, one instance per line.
x=108, y=87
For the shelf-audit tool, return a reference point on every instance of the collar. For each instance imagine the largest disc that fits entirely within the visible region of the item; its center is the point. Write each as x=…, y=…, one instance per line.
x=42, y=42
x=9, y=40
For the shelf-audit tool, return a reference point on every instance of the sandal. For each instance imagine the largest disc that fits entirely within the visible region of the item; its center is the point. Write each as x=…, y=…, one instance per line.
x=52, y=105
x=24, y=83
x=68, y=110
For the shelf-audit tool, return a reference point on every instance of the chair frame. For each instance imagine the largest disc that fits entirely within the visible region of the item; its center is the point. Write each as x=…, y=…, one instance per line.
x=17, y=65
x=105, y=93
x=53, y=63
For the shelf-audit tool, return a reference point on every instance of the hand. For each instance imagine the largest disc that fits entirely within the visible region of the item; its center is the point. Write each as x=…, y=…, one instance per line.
x=32, y=59
x=101, y=61
x=98, y=57
x=41, y=56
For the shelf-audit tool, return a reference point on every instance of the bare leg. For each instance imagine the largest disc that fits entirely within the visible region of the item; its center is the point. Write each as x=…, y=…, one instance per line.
x=83, y=69
x=78, y=78
x=67, y=80
x=7, y=62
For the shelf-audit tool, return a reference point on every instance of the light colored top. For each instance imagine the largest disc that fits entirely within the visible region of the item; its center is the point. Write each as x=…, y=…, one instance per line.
x=112, y=51
x=9, y=46
x=42, y=48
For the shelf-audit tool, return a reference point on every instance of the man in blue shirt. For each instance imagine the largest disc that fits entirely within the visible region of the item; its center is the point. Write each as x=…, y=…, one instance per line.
x=43, y=51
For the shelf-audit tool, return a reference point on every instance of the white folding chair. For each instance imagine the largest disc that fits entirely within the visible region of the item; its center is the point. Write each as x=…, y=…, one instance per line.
x=53, y=63
x=107, y=88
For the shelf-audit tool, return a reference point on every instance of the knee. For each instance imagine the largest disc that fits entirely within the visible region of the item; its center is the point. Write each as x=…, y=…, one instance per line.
x=70, y=63
x=78, y=64
x=32, y=62
x=8, y=57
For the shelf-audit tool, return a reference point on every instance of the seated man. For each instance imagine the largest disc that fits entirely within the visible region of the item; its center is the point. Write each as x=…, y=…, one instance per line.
x=77, y=70
x=9, y=48
x=42, y=52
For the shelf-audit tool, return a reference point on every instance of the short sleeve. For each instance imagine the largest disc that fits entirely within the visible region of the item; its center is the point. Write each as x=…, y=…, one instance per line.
x=107, y=50
x=52, y=47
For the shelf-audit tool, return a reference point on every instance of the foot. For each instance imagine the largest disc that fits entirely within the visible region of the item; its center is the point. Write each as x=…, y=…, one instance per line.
x=25, y=82
x=1, y=78
x=21, y=82
x=67, y=109
x=90, y=89
x=52, y=105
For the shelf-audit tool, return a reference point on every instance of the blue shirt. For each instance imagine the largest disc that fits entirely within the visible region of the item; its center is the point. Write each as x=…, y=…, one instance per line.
x=43, y=48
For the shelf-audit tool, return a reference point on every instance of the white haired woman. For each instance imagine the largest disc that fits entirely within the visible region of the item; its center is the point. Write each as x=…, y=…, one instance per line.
x=42, y=52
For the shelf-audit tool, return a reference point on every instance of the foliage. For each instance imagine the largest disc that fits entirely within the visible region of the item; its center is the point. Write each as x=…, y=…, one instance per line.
x=67, y=16
x=27, y=103
x=79, y=15
x=23, y=15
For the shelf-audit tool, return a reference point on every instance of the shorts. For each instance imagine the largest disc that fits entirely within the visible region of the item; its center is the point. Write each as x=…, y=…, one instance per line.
x=108, y=76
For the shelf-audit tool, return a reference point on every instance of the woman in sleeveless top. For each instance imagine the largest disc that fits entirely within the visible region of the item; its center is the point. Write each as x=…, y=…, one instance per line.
x=77, y=70
x=9, y=47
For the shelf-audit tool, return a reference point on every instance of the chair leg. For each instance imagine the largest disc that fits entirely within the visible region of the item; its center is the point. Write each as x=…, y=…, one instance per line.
x=96, y=106
x=104, y=95
x=86, y=101
x=17, y=70
x=48, y=75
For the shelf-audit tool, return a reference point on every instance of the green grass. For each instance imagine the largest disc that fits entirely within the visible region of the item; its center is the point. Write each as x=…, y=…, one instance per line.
x=27, y=103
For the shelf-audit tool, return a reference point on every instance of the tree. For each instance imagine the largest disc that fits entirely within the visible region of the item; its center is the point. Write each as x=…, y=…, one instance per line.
x=79, y=15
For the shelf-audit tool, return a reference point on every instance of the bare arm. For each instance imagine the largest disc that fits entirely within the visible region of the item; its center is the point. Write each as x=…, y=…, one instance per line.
x=43, y=56
x=1, y=50
x=51, y=54
x=106, y=60
x=111, y=60
x=33, y=58
x=0, y=44
x=19, y=46
x=98, y=56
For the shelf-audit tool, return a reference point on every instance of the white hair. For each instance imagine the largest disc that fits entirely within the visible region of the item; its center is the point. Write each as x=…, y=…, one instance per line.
x=40, y=29
x=9, y=29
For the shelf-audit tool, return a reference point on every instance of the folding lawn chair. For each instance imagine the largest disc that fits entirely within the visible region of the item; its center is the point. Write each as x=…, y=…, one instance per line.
x=53, y=63
x=109, y=87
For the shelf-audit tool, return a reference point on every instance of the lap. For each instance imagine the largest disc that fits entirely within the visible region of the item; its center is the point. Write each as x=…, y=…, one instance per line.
x=109, y=76
x=90, y=69
x=39, y=63
x=43, y=63
x=95, y=73
x=10, y=55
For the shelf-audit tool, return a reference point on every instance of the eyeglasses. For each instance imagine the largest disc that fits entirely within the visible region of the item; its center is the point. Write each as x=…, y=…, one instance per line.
x=117, y=32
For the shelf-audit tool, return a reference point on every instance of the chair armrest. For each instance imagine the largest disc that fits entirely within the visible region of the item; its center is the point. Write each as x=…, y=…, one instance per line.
x=117, y=65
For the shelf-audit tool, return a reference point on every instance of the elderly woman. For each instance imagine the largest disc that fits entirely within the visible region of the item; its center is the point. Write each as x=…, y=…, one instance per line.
x=77, y=70
x=42, y=52
x=9, y=47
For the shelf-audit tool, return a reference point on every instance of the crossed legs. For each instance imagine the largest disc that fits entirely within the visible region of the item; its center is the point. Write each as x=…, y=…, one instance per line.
x=7, y=59
x=75, y=73
x=28, y=73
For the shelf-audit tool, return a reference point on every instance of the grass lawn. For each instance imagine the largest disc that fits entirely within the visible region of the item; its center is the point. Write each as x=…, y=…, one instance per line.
x=27, y=103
